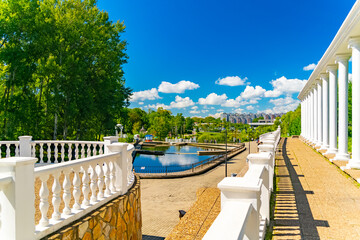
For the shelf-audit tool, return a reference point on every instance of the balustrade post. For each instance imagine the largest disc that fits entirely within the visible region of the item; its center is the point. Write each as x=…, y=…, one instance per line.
x=25, y=146
x=264, y=159
x=109, y=140
x=121, y=178
x=18, y=199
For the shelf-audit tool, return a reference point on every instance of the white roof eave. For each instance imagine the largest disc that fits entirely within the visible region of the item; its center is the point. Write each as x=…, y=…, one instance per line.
x=339, y=45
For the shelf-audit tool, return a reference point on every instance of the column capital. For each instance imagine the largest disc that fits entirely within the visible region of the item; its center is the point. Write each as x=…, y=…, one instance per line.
x=317, y=82
x=354, y=42
x=331, y=68
x=324, y=76
x=342, y=58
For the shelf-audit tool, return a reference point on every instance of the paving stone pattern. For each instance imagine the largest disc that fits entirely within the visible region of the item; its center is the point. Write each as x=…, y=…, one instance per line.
x=314, y=199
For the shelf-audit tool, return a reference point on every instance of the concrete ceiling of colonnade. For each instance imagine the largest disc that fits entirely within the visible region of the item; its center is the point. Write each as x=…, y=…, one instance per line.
x=339, y=45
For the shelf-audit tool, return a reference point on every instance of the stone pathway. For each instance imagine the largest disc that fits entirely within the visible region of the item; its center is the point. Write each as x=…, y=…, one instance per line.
x=314, y=199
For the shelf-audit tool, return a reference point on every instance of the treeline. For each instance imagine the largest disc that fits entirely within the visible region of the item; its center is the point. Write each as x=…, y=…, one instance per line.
x=162, y=123
x=60, y=70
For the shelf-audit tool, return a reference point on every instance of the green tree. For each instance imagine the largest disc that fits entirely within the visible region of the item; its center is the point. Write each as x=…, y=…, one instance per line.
x=61, y=69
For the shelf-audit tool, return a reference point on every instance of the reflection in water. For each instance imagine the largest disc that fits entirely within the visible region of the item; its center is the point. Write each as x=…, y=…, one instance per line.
x=170, y=159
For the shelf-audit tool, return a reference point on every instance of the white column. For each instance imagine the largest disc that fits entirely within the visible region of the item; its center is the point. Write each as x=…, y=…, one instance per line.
x=325, y=95
x=302, y=118
x=308, y=116
x=312, y=136
x=332, y=70
x=342, y=61
x=315, y=118
x=319, y=113
x=354, y=162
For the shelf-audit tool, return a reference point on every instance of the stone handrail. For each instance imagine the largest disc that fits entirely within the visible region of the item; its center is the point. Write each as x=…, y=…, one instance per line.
x=245, y=201
x=54, y=151
x=67, y=149
x=75, y=188
x=8, y=151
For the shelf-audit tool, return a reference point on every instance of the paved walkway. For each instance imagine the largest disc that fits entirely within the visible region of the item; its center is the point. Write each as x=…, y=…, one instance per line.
x=314, y=199
x=162, y=198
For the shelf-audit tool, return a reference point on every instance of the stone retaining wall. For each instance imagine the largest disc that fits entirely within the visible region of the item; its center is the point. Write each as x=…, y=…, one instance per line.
x=118, y=219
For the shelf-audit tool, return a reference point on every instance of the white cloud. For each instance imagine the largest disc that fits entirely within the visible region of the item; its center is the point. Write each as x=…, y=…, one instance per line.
x=267, y=111
x=283, y=85
x=151, y=94
x=350, y=77
x=250, y=107
x=156, y=106
x=141, y=103
x=216, y=115
x=178, y=103
x=220, y=110
x=239, y=110
x=231, y=103
x=231, y=81
x=194, y=107
x=204, y=111
x=309, y=67
x=283, y=105
x=272, y=93
x=194, y=111
x=251, y=92
x=181, y=102
x=180, y=87
x=213, y=99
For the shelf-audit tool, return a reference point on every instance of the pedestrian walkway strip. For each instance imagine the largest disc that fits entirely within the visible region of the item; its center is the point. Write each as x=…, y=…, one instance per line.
x=314, y=200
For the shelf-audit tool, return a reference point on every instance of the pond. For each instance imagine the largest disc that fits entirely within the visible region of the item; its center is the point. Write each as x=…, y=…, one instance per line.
x=176, y=158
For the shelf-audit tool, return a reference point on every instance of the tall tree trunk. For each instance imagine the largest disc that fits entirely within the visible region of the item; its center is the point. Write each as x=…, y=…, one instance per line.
x=55, y=127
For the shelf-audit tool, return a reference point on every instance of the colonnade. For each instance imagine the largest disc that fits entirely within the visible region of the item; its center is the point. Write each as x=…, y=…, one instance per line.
x=324, y=106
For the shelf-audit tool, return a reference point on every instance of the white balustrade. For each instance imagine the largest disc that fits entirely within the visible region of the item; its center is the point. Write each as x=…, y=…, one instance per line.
x=245, y=201
x=103, y=176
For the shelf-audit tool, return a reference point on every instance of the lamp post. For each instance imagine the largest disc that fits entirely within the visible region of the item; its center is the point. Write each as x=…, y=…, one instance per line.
x=225, y=151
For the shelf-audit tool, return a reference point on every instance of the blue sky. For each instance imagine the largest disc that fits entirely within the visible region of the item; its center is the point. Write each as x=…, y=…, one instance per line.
x=203, y=57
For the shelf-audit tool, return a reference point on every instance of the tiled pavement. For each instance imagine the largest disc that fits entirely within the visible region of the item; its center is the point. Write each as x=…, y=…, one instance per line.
x=314, y=199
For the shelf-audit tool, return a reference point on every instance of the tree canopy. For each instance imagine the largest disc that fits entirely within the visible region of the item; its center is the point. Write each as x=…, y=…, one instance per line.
x=60, y=69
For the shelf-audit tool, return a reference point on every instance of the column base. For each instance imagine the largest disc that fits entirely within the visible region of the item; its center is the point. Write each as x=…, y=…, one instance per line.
x=318, y=144
x=353, y=164
x=324, y=147
x=331, y=151
x=342, y=157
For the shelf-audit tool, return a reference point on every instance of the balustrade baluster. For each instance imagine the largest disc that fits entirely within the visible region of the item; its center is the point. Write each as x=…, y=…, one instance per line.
x=17, y=150
x=88, y=153
x=83, y=150
x=8, y=150
x=33, y=149
x=76, y=190
x=56, y=151
x=101, y=149
x=85, y=187
x=44, y=203
x=100, y=182
x=107, y=178
x=67, y=193
x=76, y=151
x=93, y=185
x=56, y=199
x=41, y=152
x=94, y=149
x=112, y=177
x=48, y=152
x=0, y=151
x=69, y=151
x=62, y=151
